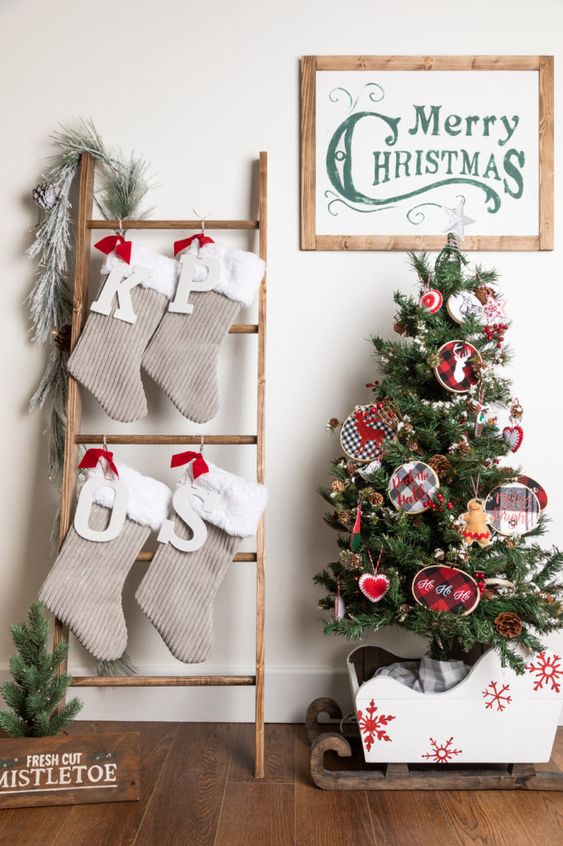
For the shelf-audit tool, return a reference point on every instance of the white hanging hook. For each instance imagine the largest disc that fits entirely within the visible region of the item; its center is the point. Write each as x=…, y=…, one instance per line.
x=120, y=227
x=105, y=443
x=201, y=443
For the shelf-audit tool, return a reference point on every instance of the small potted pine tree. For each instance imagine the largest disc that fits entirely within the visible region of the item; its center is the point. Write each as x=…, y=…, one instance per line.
x=39, y=763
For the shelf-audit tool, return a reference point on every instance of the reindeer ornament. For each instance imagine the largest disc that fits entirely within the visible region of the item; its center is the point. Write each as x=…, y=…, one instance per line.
x=456, y=369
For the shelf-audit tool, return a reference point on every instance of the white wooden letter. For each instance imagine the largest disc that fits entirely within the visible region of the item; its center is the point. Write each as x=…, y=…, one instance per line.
x=187, y=284
x=182, y=506
x=116, y=285
x=118, y=510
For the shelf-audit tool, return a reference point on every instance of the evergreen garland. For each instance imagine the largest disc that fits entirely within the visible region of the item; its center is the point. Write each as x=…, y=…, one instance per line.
x=37, y=688
x=120, y=196
x=437, y=425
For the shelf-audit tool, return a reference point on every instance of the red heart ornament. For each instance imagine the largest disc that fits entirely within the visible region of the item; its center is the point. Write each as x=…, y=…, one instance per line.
x=513, y=435
x=374, y=587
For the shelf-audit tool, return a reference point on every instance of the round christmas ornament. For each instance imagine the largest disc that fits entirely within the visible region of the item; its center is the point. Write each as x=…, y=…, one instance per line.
x=412, y=486
x=432, y=301
x=512, y=509
x=364, y=433
x=474, y=524
x=534, y=486
x=444, y=588
x=463, y=305
x=457, y=367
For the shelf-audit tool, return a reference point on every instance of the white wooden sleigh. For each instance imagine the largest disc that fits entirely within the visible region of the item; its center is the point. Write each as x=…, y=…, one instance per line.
x=485, y=733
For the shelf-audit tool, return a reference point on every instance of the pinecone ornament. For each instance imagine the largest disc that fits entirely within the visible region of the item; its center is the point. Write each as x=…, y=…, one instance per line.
x=508, y=624
x=338, y=487
x=61, y=337
x=483, y=292
x=374, y=498
x=442, y=466
x=45, y=195
x=399, y=327
x=351, y=468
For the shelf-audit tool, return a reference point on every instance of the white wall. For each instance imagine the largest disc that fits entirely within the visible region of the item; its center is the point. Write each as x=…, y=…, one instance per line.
x=199, y=89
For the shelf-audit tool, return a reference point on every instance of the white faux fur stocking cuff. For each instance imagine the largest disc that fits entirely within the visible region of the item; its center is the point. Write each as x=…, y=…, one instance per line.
x=165, y=271
x=240, y=272
x=149, y=500
x=240, y=504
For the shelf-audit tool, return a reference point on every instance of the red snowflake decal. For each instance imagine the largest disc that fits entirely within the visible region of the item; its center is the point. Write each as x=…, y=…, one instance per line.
x=441, y=753
x=549, y=669
x=371, y=725
x=496, y=695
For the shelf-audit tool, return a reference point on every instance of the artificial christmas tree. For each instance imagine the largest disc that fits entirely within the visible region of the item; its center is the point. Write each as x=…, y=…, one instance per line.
x=422, y=491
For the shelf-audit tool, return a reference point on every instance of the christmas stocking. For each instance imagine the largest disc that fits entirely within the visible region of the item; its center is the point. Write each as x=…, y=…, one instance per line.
x=214, y=510
x=113, y=519
x=122, y=320
x=215, y=281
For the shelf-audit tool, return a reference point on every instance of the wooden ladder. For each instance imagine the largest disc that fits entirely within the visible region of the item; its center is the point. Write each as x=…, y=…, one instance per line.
x=84, y=226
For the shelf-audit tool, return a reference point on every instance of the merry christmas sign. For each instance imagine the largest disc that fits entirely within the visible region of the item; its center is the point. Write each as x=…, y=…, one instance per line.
x=398, y=150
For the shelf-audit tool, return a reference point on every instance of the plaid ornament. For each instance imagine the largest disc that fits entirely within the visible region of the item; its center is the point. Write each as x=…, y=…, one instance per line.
x=455, y=369
x=364, y=433
x=513, y=509
x=412, y=487
x=443, y=588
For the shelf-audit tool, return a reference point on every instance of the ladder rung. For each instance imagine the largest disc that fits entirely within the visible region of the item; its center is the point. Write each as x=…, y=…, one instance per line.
x=244, y=329
x=166, y=439
x=239, y=557
x=172, y=224
x=162, y=681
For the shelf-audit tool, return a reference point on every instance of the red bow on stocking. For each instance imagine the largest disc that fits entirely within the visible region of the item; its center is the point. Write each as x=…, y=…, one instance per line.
x=185, y=242
x=92, y=456
x=199, y=466
x=118, y=243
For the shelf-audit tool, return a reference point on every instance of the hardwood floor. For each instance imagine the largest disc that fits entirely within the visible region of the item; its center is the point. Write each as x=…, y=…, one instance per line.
x=197, y=789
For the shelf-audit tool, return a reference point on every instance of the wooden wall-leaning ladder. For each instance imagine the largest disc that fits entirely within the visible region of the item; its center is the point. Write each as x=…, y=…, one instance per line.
x=84, y=226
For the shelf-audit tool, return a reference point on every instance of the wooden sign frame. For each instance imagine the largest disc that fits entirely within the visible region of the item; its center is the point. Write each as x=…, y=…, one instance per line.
x=69, y=769
x=311, y=65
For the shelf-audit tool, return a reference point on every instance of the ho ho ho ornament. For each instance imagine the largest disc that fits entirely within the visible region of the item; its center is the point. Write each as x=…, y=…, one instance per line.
x=455, y=369
x=512, y=509
x=464, y=305
x=364, y=433
x=443, y=588
x=412, y=486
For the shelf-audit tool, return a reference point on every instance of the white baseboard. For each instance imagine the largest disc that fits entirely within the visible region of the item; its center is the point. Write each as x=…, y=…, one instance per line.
x=288, y=693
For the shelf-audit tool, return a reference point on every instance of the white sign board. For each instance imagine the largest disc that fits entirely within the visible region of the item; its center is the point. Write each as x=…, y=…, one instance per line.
x=405, y=153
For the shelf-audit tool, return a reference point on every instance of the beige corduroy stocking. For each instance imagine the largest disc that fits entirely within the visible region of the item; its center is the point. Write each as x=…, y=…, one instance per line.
x=182, y=356
x=107, y=358
x=179, y=588
x=85, y=584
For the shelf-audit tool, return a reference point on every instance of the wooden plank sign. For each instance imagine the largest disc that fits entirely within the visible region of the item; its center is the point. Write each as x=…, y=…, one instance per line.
x=398, y=150
x=69, y=770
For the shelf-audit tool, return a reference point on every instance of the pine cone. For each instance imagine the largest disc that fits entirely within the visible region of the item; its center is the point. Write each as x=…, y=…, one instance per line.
x=61, y=337
x=338, y=487
x=355, y=561
x=399, y=327
x=332, y=424
x=374, y=498
x=351, y=468
x=45, y=195
x=345, y=518
x=403, y=612
x=442, y=466
x=433, y=360
x=508, y=624
x=483, y=292
x=488, y=594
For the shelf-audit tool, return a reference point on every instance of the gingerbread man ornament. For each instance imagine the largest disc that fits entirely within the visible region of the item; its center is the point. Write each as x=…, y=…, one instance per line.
x=475, y=527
